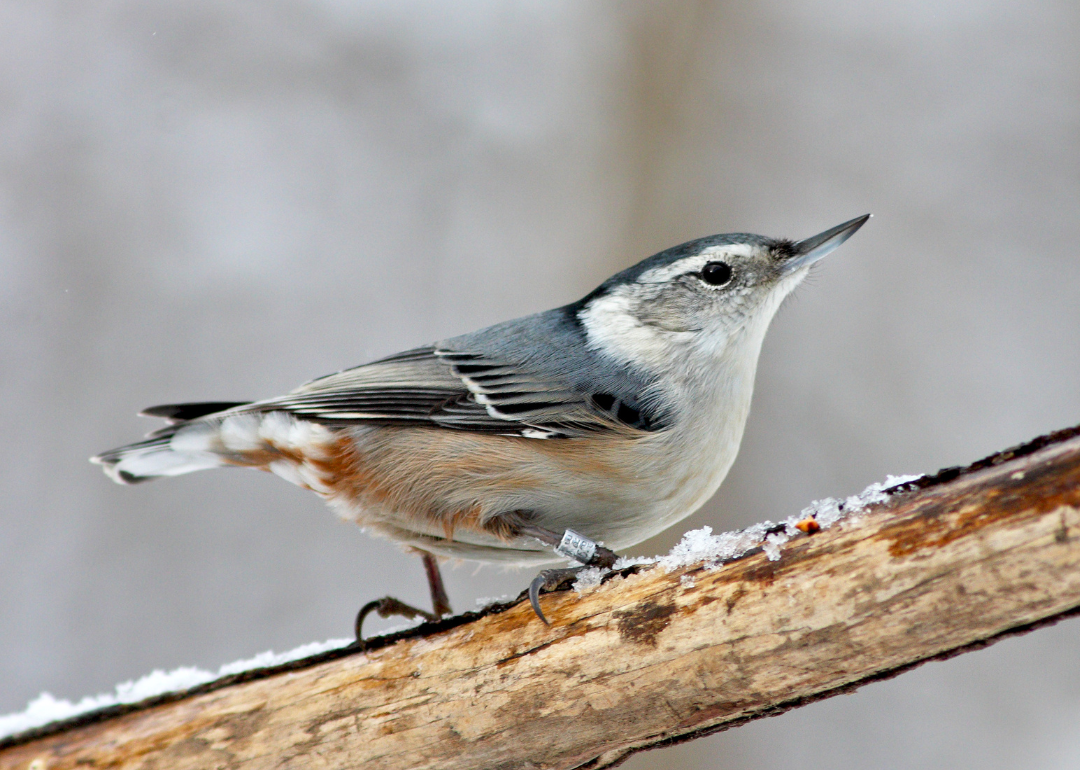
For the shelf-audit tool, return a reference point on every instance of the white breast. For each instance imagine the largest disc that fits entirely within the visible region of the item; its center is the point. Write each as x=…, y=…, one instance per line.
x=709, y=382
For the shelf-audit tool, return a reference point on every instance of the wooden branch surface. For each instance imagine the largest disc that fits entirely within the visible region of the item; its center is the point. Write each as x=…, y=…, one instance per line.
x=646, y=659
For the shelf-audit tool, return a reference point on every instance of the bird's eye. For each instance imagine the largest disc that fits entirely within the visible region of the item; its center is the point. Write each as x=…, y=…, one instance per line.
x=716, y=273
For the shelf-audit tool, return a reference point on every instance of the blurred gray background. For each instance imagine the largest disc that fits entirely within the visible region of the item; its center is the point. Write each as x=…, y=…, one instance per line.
x=209, y=200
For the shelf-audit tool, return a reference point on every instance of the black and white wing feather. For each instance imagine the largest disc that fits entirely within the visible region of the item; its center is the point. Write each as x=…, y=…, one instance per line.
x=457, y=390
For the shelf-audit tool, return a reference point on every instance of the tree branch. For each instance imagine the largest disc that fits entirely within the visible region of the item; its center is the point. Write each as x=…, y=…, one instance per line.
x=953, y=563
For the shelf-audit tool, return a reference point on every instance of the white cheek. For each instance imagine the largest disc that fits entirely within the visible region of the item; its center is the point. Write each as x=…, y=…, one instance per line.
x=612, y=328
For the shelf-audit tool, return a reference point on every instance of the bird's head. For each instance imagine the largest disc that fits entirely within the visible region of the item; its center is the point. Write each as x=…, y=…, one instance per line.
x=714, y=295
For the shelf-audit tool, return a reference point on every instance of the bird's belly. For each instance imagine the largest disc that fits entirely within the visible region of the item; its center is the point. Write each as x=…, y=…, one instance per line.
x=681, y=473
x=445, y=491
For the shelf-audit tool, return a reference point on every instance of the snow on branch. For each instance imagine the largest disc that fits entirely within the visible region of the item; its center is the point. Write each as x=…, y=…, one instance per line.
x=725, y=629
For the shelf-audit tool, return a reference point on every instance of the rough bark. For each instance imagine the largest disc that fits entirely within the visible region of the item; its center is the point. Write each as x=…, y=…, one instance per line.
x=957, y=562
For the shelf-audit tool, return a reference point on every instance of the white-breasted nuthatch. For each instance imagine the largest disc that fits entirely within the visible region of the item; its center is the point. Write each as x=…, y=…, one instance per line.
x=604, y=421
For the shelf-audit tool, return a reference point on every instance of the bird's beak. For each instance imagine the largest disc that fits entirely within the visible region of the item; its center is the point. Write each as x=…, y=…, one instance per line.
x=809, y=250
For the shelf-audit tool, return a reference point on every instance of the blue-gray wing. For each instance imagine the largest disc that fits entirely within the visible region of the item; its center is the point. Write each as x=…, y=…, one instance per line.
x=493, y=381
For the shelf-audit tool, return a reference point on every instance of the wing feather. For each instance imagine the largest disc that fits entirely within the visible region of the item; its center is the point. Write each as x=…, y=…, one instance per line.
x=462, y=390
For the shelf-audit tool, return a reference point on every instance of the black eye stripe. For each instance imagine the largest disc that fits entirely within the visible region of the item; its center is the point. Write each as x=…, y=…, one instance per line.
x=716, y=273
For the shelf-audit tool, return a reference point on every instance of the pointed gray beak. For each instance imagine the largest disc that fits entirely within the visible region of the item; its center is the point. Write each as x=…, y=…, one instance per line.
x=810, y=250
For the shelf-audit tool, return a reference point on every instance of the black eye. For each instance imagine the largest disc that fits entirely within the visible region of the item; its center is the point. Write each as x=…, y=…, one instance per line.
x=716, y=273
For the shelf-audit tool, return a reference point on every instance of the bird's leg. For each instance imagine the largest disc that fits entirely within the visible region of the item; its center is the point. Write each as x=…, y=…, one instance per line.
x=571, y=545
x=440, y=602
x=388, y=606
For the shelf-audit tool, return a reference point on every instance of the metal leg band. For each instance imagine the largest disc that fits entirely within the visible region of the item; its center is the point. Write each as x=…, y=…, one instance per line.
x=576, y=547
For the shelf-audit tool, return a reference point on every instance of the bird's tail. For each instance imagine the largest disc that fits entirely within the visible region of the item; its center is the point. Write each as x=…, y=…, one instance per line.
x=184, y=446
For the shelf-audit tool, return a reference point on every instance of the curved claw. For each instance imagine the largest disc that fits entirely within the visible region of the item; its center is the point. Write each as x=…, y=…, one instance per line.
x=572, y=546
x=387, y=607
x=534, y=596
x=549, y=580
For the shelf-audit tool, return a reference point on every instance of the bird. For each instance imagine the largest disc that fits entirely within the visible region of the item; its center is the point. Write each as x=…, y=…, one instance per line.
x=568, y=434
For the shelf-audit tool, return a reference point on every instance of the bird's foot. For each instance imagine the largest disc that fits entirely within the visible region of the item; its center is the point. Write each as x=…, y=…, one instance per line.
x=576, y=547
x=388, y=607
x=549, y=580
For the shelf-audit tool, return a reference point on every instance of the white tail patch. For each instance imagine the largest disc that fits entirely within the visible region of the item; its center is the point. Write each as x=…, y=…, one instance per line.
x=144, y=462
x=211, y=443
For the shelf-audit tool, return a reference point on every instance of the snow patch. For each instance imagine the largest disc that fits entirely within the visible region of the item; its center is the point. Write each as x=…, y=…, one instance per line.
x=45, y=708
x=702, y=546
x=589, y=578
x=633, y=561
x=772, y=543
